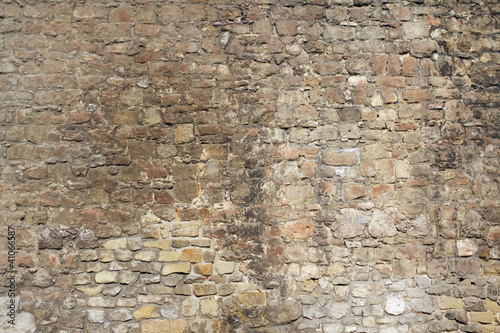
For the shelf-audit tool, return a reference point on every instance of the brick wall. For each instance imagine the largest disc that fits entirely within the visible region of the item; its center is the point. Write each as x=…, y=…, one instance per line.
x=261, y=166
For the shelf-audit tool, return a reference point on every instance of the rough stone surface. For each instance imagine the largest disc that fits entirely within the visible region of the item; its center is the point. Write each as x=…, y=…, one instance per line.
x=164, y=326
x=394, y=304
x=381, y=225
x=284, y=313
x=250, y=166
x=352, y=223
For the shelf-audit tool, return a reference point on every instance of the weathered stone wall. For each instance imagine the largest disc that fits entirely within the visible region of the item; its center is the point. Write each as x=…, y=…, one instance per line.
x=259, y=166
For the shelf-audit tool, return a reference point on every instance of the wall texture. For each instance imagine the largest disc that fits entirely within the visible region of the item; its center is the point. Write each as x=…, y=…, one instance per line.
x=260, y=166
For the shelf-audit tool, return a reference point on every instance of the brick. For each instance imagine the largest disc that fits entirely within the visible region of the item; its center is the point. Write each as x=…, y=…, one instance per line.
x=183, y=133
x=287, y=27
x=191, y=255
x=169, y=256
x=410, y=66
x=481, y=317
x=301, y=229
x=354, y=191
x=21, y=151
x=423, y=47
x=162, y=156
x=379, y=64
x=170, y=13
x=164, y=197
x=417, y=95
x=395, y=82
x=414, y=30
x=204, y=269
x=121, y=14
x=401, y=13
x=393, y=65
x=204, y=289
x=339, y=158
x=146, y=312
x=183, y=267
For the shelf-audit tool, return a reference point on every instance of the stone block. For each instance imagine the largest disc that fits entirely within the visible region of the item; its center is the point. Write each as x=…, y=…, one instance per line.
x=224, y=267
x=106, y=277
x=181, y=267
x=164, y=326
x=204, y=269
x=414, y=30
x=160, y=244
x=191, y=255
x=340, y=158
x=146, y=312
x=115, y=244
x=186, y=190
x=381, y=225
x=287, y=27
x=204, y=289
x=301, y=229
x=169, y=256
x=209, y=307
x=352, y=223
x=446, y=302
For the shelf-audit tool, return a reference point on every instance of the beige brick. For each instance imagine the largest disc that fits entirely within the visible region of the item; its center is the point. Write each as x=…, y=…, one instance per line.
x=167, y=256
x=481, y=317
x=446, y=302
x=160, y=244
x=181, y=267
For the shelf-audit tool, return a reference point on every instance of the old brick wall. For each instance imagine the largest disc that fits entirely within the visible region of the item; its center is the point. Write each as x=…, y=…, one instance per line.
x=259, y=166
